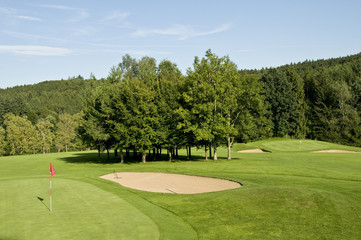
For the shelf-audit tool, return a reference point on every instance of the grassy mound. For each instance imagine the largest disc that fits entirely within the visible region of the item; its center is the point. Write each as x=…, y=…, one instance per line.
x=292, y=145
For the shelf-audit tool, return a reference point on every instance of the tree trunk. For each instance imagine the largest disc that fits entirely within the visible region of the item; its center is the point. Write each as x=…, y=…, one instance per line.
x=127, y=153
x=121, y=155
x=187, y=152
x=98, y=153
x=176, y=152
x=229, y=144
x=215, y=152
x=43, y=150
x=66, y=147
x=206, y=152
x=210, y=151
x=170, y=155
x=108, y=154
x=134, y=154
x=190, y=152
x=116, y=154
x=144, y=157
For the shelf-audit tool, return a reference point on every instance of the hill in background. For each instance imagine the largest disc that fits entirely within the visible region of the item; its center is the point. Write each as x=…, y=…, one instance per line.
x=46, y=98
x=327, y=93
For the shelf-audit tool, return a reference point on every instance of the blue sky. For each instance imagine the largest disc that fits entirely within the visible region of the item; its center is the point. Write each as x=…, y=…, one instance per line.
x=50, y=40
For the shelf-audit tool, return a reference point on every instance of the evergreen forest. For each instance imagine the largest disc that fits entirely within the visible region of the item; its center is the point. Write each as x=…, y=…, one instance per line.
x=144, y=106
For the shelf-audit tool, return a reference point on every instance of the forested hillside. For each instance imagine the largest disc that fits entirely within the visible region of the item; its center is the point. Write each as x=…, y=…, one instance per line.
x=332, y=93
x=45, y=98
x=143, y=105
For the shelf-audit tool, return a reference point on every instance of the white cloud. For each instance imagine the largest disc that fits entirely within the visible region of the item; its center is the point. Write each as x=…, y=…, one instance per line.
x=8, y=11
x=58, y=7
x=179, y=30
x=116, y=16
x=80, y=14
x=34, y=50
x=29, y=18
x=14, y=13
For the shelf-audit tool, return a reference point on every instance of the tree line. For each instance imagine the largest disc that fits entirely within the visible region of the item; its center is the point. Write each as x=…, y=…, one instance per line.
x=144, y=106
x=20, y=136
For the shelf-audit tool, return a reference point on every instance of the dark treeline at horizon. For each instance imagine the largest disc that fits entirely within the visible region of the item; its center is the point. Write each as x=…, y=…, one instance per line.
x=143, y=105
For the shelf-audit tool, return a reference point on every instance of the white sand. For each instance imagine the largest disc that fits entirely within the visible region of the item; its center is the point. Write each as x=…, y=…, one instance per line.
x=335, y=151
x=170, y=183
x=258, y=150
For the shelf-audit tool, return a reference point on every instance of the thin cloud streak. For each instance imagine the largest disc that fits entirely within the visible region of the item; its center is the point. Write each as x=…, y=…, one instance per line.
x=81, y=14
x=117, y=16
x=9, y=11
x=29, y=18
x=182, y=31
x=15, y=13
x=28, y=36
x=34, y=50
x=59, y=7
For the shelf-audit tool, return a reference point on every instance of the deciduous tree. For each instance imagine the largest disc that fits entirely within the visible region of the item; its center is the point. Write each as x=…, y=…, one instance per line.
x=21, y=134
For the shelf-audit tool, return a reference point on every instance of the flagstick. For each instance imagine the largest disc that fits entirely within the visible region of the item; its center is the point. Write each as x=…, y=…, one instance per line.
x=52, y=173
x=51, y=208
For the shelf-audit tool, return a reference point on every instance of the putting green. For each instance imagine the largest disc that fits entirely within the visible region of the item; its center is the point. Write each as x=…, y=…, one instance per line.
x=80, y=211
x=298, y=145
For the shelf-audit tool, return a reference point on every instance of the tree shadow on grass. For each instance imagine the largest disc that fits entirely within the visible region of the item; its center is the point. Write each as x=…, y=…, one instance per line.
x=89, y=157
x=92, y=157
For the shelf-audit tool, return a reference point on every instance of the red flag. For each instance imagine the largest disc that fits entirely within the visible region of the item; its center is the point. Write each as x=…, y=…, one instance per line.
x=52, y=171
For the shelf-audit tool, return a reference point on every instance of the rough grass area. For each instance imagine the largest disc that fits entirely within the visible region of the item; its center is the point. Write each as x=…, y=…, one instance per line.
x=289, y=193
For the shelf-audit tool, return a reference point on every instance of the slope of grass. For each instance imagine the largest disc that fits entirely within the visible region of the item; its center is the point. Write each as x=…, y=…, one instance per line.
x=290, y=193
x=292, y=145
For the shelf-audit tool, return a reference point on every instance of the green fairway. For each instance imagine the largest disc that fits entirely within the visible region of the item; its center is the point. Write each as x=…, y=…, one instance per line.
x=290, y=193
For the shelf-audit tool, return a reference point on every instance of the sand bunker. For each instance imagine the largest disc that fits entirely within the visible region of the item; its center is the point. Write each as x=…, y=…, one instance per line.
x=335, y=151
x=258, y=150
x=170, y=183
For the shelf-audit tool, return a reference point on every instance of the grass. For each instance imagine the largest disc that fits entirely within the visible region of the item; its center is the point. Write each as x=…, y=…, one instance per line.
x=289, y=193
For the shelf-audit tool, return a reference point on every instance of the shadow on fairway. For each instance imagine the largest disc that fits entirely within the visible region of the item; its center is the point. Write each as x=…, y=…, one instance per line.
x=92, y=157
x=42, y=201
x=89, y=157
